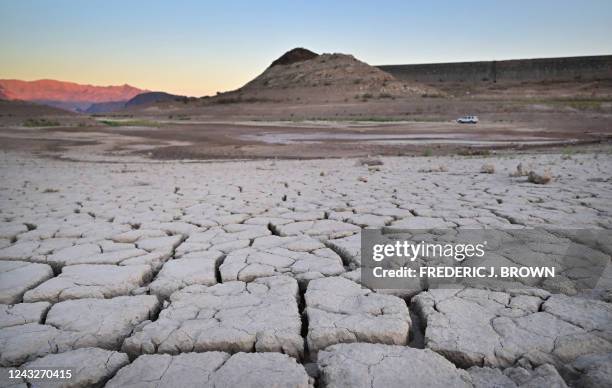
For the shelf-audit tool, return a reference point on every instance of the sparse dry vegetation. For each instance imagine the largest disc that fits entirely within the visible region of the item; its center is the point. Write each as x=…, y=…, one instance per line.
x=41, y=122
x=130, y=123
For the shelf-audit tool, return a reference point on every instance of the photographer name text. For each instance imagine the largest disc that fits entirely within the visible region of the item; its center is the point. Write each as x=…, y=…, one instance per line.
x=464, y=272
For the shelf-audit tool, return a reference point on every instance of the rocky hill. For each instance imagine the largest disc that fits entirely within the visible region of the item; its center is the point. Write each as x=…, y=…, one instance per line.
x=302, y=75
x=152, y=97
x=135, y=102
x=104, y=107
x=298, y=54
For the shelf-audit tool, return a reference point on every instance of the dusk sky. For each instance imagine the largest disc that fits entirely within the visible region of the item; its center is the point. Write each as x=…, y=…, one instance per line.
x=200, y=47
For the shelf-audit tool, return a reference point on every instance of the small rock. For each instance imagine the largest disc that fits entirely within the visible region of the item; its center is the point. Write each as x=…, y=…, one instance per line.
x=369, y=162
x=536, y=178
x=487, y=168
x=440, y=168
x=520, y=171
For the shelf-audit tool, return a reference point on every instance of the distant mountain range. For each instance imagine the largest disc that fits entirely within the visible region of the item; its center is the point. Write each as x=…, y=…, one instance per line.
x=65, y=95
x=80, y=98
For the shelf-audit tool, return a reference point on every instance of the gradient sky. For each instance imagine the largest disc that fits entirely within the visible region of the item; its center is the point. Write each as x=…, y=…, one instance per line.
x=200, y=47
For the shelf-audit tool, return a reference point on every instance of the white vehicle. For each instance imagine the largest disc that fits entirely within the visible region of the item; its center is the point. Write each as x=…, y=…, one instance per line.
x=468, y=120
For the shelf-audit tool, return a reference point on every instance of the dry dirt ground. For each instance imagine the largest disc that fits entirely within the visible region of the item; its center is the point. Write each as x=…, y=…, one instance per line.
x=222, y=273
x=245, y=137
x=180, y=242
x=513, y=116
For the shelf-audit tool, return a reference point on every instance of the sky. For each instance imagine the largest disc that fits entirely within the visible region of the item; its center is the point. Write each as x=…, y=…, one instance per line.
x=201, y=47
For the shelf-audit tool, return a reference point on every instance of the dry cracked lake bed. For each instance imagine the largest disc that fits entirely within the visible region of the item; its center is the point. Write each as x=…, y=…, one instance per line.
x=246, y=273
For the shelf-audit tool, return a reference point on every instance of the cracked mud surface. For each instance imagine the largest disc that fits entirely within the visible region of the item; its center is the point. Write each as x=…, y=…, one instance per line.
x=213, y=274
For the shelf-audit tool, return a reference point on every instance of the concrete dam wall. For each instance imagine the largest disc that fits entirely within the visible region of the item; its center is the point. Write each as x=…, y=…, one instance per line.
x=542, y=69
